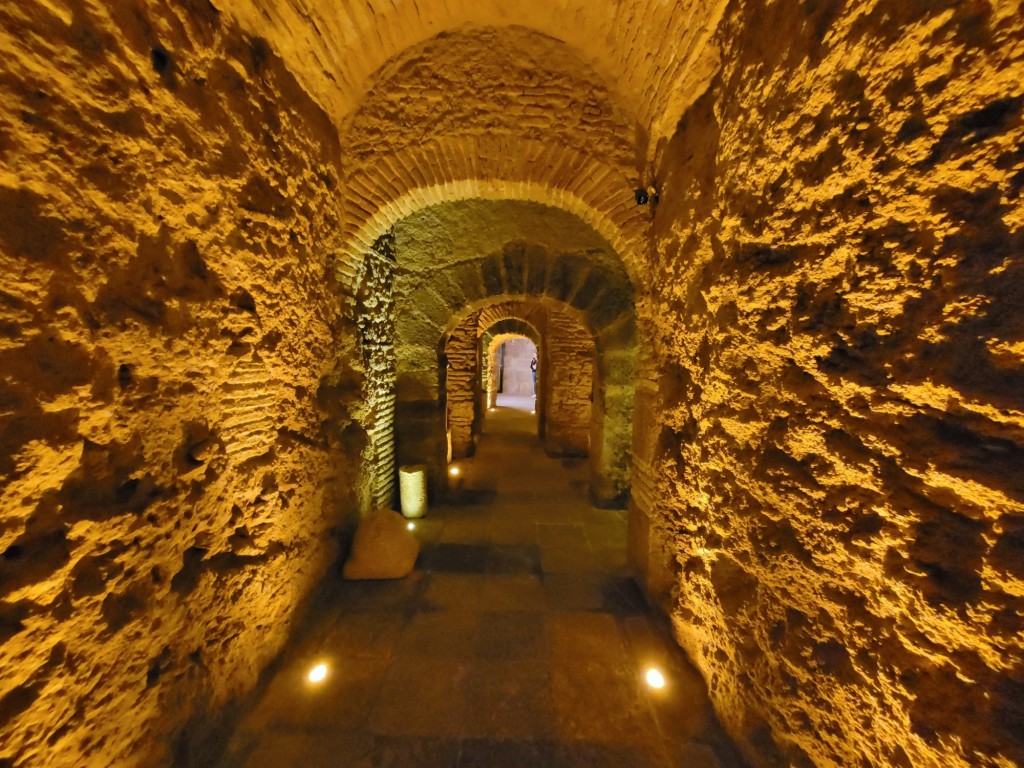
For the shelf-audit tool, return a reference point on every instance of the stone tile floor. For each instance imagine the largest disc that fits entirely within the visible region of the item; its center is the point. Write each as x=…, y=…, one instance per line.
x=520, y=640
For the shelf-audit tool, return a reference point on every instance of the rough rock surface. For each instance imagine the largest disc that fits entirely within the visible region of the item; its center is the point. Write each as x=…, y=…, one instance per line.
x=375, y=320
x=166, y=322
x=383, y=548
x=830, y=434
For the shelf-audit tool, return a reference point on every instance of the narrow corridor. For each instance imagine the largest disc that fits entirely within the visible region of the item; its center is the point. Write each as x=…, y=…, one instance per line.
x=520, y=640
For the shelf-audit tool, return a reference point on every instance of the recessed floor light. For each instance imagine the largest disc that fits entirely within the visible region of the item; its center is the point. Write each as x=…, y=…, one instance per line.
x=317, y=674
x=654, y=678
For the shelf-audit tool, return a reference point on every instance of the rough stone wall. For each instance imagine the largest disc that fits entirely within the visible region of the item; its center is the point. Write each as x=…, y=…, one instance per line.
x=611, y=436
x=167, y=199
x=375, y=318
x=462, y=355
x=830, y=433
x=567, y=376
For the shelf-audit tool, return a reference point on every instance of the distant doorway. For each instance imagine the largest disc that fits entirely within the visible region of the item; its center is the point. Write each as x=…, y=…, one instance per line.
x=517, y=374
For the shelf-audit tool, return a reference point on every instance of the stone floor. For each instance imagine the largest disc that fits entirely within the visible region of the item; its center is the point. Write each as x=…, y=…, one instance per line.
x=516, y=402
x=520, y=640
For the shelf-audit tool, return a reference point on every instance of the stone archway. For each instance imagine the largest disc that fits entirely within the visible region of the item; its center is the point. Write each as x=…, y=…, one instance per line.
x=573, y=393
x=464, y=371
x=458, y=258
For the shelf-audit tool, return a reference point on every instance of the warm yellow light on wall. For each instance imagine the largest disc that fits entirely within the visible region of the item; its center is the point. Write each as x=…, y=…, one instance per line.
x=411, y=526
x=454, y=471
x=317, y=674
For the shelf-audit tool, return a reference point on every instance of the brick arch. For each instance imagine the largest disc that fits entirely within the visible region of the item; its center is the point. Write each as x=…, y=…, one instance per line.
x=530, y=316
x=434, y=303
x=577, y=398
x=567, y=351
x=512, y=327
x=658, y=57
x=505, y=321
x=607, y=312
x=467, y=389
x=493, y=168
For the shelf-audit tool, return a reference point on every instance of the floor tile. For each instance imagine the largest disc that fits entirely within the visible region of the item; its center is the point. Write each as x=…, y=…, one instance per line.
x=508, y=753
x=568, y=559
x=413, y=752
x=306, y=749
x=341, y=701
x=574, y=591
x=450, y=633
x=508, y=699
x=513, y=635
x=420, y=696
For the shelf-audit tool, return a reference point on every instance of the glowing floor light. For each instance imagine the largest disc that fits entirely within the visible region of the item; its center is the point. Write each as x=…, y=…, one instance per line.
x=654, y=678
x=454, y=471
x=317, y=674
x=411, y=526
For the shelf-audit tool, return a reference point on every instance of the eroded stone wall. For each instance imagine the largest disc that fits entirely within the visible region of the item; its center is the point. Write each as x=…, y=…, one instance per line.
x=830, y=438
x=462, y=357
x=167, y=211
x=566, y=372
x=375, y=319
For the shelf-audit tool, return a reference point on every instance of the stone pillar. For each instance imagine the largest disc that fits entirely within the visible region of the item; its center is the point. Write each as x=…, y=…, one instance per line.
x=612, y=428
x=462, y=377
x=569, y=383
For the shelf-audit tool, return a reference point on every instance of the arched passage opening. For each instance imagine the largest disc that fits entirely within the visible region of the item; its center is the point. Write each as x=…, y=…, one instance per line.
x=467, y=367
x=564, y=385
x=563, y=395
x=511, y=365
x=516, y=200
x=445, y=262
x=571, y=400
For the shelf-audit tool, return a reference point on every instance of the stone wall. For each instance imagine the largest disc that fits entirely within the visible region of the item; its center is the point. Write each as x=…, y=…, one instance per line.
x=375, y=319
x=168, y=493
x=830, y=419
x=566, y=373
x=462, y=355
